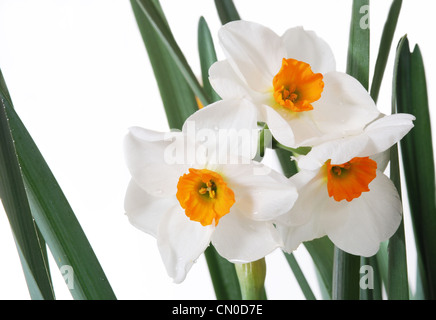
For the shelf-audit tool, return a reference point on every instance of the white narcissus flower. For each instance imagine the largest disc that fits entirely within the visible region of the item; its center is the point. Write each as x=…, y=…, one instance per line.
x=193, y=188
x=344, y=194
x=293, y=83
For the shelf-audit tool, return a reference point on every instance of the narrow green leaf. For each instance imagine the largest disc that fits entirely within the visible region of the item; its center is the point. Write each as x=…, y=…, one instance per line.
x=417, y=155
x=322, y=252
x=207, y=55
x=346, y=266
x=154, y=17
x=56, y=220
x=299, y=276
x=397, y=282
x=346, y=276
x=358, y=46
x=382, y=261
x=372, y=286
x=226, y=11
x=385, y=47
x=15, y=202
x=223, y=274
x=177, y=97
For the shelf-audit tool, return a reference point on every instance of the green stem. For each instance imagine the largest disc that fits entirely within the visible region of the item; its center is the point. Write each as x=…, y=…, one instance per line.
x=251, y=278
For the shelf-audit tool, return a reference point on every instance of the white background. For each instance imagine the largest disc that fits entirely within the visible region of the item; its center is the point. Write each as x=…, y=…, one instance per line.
x=79, y=76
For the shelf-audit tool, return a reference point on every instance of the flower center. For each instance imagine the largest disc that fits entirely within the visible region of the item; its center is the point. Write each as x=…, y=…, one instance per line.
x=348, y=180
x=296, y=86
x=204, y=195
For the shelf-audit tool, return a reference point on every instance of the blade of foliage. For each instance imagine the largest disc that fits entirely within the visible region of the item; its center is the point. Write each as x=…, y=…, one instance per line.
x=322, y=252
x=226, y=11
x=374, y=289
x=299, y=276
x=385, y=47
x=16, y=205
x=347, y=266
x=397, y=283
x=223, y=272
x=177, y=97
x=345, y=276
x=55, y=218
x=153, y=15
x=417, y=155
x=207, y=55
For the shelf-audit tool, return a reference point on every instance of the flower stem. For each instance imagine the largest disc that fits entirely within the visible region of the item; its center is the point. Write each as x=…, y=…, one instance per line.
x=251, y=278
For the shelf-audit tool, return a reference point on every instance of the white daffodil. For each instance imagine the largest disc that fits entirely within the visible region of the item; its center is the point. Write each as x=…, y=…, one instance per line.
x=196, y=187
x=293, y=83
x=344, y=194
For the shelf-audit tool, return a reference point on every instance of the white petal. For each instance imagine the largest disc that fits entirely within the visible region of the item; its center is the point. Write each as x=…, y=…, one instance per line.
x=376, y=138
x=229, y=84
x=226, y=127
x=382, y=159
x=339, y=151
x=181, y=241
x=359, y=226
x=386, y=131
x=345, y=107
x=151, y=164
x=239, y=239
x=306, y=46
x=254, y=50
x=305, y=221
x=312, y=195
x=145, y=211
x=278, y=125
x=261, y=193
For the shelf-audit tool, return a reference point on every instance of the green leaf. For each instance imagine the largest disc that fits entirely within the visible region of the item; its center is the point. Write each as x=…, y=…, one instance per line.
x=155, y=20
x=322, y=252
x=346, y=276
x=56, y=220
x=385, y=47
x=417, y=155
x=177, y=97
x=299, y=276
x=15, y=202
x=226, y=11
x=207, y=55
x=224, y=279
x=374, y=293
x=346, y=266
x=358, y=45
x=397, y=282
